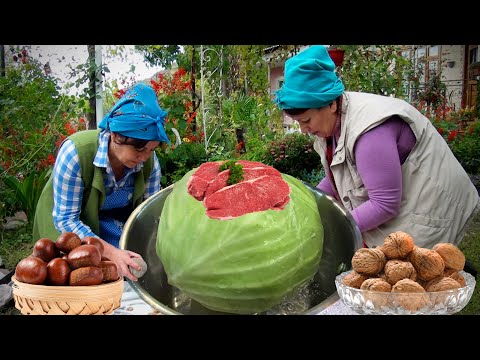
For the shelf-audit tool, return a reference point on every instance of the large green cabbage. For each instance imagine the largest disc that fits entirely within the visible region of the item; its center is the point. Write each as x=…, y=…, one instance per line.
x=243, y=265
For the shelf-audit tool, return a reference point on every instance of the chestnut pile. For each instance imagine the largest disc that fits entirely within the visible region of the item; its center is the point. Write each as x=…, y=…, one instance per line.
x=67, y=261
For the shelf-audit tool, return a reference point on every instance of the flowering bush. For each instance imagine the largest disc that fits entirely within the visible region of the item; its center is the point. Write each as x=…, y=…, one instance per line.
x=34, y=119
x=174, y=95
x=434, y=92
x=461, y=130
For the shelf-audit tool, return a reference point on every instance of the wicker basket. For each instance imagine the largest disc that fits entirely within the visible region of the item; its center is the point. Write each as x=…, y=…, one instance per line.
x=67, y=300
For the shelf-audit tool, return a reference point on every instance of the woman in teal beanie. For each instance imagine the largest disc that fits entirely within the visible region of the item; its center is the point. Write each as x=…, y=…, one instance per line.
x=384, y=161
x=101, y=175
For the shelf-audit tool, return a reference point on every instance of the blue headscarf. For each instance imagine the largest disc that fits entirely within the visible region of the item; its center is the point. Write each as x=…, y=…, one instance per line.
x=137, y=115
x=310, y=80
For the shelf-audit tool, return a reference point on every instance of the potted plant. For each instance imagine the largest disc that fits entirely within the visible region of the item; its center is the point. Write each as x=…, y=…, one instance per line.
x=337, y=55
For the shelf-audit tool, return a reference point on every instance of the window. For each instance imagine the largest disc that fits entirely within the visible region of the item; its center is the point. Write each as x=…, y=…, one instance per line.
x=473, y=54
x=427, y=63
x=427, y=58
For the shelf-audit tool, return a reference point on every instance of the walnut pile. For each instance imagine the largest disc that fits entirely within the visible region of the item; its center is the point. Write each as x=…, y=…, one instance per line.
x=399, y=266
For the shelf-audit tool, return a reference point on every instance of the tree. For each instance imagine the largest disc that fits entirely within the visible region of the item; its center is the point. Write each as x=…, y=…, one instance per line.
x=161, y=55
x=378, y=69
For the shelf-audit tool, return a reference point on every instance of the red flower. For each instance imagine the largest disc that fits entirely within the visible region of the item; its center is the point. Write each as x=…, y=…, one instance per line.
x=452, y=135
x=70, y=129
x=51, y=159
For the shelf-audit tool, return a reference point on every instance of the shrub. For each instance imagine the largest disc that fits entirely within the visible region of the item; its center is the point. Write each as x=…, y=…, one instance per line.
x=34, y=118
x=467, y=151
x=178, y=161
x=293, y=155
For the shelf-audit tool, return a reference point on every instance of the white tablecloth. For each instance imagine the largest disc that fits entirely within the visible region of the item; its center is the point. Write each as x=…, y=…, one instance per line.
x=132, y=304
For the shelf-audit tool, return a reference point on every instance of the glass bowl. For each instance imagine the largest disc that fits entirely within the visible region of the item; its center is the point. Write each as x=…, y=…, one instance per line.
x=388, y=303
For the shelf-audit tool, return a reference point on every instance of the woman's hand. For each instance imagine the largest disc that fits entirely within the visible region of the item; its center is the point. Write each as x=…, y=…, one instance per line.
x=123, y=259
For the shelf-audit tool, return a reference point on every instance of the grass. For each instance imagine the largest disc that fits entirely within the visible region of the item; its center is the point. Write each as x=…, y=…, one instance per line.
x=17, y=244
x=470, y=246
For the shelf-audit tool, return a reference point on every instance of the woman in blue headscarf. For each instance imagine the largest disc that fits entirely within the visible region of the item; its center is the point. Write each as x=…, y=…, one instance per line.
x=384, y=161
x=101, y=175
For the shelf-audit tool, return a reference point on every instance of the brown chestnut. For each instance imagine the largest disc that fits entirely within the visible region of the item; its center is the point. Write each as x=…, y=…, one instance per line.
x=92, y=240
x=84, y=255
x=58, y=272
x=45, y=249
x=31, y=270
x=109, y=270
x=85, y=276
x=68, y=241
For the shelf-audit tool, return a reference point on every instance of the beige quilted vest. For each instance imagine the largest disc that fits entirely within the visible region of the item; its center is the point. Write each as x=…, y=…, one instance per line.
x=438, y=197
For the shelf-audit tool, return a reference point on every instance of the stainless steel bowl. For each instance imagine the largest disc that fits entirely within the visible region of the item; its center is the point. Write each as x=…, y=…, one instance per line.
x=342, y=238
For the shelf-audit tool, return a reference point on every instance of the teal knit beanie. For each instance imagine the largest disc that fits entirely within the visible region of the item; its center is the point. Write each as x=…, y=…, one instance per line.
x=310, y=80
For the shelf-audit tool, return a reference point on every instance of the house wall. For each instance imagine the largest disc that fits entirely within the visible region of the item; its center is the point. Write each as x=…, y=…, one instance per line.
x=276, y=75
x=453, y=76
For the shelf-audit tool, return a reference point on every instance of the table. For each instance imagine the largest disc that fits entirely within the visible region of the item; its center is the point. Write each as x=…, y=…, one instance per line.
x=132, y=304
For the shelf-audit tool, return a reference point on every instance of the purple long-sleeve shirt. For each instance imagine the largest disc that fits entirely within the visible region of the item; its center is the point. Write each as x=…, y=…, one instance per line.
x=379, y=154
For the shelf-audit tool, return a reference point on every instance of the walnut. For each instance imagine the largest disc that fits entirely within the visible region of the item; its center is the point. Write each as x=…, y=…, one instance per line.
x=428, y=263
x=374, y=285
x=368, y=261
x=455, y=275
x=441, y=284
x=397, y=245
x=354, y=279
x=451, y=255
x=397, y=269
x=412, y=295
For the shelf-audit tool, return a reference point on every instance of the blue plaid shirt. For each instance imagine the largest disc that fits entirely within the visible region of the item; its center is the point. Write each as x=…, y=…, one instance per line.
x=68, y=190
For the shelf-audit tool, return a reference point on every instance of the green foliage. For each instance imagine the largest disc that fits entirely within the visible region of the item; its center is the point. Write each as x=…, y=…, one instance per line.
x=160, y=55
x=467, y=151
x=461, y=130
x=293, y=155
x=8, y=202
x=221, y=150
x=177, y=162
x=312, y=177
x=378, y=69
x=28, y=190
x=239, y=111
x=34, y=119
x=256, y=148
x=32, y=113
